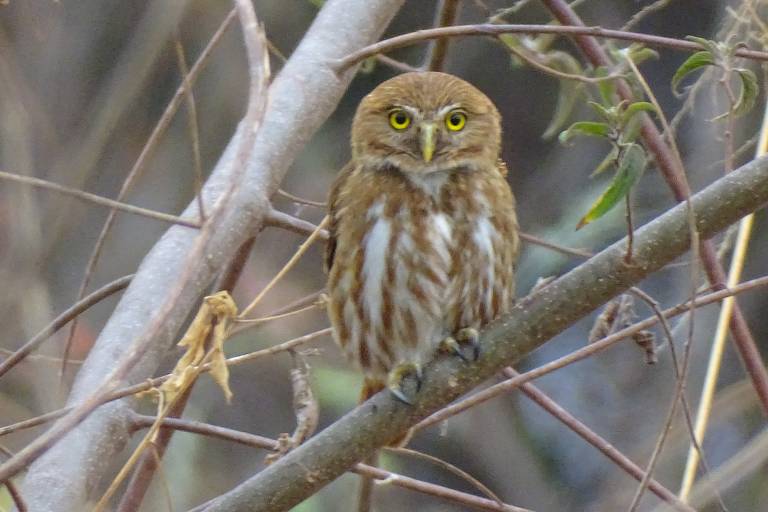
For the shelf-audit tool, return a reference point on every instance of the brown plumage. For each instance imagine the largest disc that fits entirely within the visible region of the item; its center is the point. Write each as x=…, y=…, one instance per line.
x=423, y=233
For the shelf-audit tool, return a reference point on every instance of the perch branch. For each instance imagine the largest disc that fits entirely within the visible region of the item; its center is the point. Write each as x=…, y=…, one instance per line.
x=533, y=321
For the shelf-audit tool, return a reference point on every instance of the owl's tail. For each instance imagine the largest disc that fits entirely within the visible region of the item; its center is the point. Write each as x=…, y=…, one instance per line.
x=365, y=495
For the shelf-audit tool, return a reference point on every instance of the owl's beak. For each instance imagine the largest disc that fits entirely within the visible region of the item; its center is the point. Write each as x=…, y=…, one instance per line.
x=427, y=140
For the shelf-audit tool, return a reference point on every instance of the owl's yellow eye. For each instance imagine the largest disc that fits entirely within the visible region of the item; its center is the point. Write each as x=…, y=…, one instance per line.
x=456, y=120
x=399, y=119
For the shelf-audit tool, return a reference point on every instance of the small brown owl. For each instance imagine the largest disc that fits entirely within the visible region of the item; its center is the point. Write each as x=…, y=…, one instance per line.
x=423, y=232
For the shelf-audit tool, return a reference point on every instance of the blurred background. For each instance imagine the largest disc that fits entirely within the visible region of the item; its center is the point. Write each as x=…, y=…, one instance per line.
x=83, y=83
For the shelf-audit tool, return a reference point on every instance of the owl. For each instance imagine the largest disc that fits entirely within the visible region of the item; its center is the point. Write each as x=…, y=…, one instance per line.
x=423, y=232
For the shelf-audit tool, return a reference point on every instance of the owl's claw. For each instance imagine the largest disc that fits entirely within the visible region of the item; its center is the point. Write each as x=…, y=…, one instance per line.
x=398, y=375
x=470, y=336
x=449, y=345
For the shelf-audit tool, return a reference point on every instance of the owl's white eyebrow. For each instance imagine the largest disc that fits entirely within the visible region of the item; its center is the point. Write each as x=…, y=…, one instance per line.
x=413, y=111
x=447, y=108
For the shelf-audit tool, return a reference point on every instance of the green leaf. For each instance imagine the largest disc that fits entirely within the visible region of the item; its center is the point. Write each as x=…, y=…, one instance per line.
x=317, y=3
x=641, y=54
x=587, y=128
x=636, y=52
x=607, y=113
x=608, y=161
x=569, y=91
x=607, y=88
x=631, y=166
x=694, y=62
x=712, y=46
x=516, y=45
x=635, y=108
x=567, y=96
x=748, y=94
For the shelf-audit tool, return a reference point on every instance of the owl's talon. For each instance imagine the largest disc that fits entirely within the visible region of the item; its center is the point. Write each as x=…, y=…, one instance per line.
x=449, y=345
x=398, y=375
x=470, y=336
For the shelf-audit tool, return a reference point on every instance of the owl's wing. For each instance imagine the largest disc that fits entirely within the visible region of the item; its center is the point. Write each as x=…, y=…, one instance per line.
x=334, y=208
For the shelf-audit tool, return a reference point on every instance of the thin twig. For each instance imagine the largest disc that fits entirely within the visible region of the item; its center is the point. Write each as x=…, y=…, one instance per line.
x=194, y=130
x=492, y=30
x=645, y=12
x=13, y=491
x=606, y=448
x=157, y=381
x=630, y=228
x=287, y=267
x=255, y=441
x=282, y=220
x=252, y=322
x=534, y=63
x=447, y=12
x=99, y=200
x=451, y=468
x=397, y=65
x=301, y=200
x=61, y=320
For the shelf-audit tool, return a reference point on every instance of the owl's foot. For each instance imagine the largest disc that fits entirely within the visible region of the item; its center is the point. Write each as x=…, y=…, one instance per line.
x=466, y=336
x=470, y=336
x=449, y=345
x=398, y=375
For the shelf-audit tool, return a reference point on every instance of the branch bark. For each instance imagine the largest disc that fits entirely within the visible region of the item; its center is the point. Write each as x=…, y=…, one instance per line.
x=301, y=97
x=532, y=322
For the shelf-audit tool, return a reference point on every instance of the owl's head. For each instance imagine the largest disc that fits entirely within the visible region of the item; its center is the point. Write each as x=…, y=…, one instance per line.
x=426, y=122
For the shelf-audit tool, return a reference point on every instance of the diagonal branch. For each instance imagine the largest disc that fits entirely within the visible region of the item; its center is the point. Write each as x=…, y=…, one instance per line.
x=99, y=200
x=532, y=322
x=301, y=97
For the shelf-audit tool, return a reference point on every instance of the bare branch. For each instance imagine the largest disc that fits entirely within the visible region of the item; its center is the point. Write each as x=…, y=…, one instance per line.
x=255, y=441
x=533, y=321
x=492, y=30
x=99, y=200
x=592, y=438
x=446, y=16
x=61, y=320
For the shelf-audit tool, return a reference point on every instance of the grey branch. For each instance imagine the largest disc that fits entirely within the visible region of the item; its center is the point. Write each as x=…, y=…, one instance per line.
x=533, y=321
x=300, y=99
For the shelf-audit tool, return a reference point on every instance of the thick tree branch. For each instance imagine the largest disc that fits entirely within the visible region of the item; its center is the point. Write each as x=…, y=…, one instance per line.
x=533, y=321
x=301, y=97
